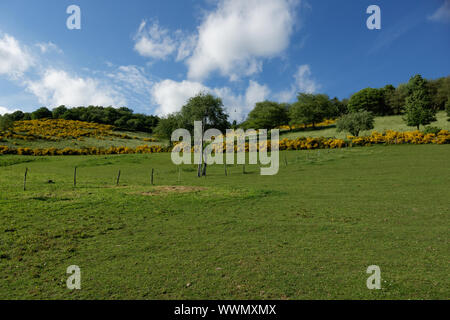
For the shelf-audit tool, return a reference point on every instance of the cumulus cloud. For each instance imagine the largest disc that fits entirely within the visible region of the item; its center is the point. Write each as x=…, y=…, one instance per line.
x=54, y=86
x=57, y=87
x=153, y=41
x=442, y=14
x=234, y=38
x=303, y=83
x=4, y=110
x=256, y=92
x=14, y=59
x=171, y=95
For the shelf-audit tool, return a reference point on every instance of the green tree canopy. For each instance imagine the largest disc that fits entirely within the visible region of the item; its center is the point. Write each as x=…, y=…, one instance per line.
x=41, y=113
x=368, y=99
x=355, y=122
x=167, y=125
x=6, y=122
x=267, y=115
x=338, y=107
x=439, y=90
x=123, y=118
x=310, y=109
x=418, y=108
x=58, y=112
x=207, y=108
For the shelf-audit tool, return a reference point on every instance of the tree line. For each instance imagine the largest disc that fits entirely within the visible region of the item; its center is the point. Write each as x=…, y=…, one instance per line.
x=417, y=100
x=122, y=118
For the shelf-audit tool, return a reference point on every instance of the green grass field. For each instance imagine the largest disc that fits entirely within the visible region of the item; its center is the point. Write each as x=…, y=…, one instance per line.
x=106, y=142
x=382, y=124
x=309, y=232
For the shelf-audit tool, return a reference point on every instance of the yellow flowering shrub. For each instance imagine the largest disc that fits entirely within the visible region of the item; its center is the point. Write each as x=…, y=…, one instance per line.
x=59, y=129
x=301, y=143
x=324, y=123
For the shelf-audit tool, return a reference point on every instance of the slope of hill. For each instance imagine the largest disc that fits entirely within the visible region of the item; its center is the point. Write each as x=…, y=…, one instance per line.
x=51, y=133
x=382, y=124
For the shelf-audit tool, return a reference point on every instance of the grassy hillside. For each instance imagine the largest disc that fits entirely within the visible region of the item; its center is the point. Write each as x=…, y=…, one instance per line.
x=72, y=134
x=62, y=134
x=382, y=124
x=309, y=232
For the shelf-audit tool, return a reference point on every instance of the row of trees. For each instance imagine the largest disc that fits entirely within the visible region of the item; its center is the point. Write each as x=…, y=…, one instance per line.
x=392, y=101
x=309, y=109
x=418, y=100
x=122, y=118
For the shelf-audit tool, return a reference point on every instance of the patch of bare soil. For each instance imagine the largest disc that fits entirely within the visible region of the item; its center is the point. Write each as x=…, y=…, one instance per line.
x=161, y=190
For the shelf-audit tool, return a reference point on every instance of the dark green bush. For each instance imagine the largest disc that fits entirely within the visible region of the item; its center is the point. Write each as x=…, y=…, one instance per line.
x=430, y=129
x=354, y=122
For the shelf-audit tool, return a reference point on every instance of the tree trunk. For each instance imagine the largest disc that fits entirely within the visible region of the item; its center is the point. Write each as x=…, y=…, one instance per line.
x=204, y=165
x=200, y=165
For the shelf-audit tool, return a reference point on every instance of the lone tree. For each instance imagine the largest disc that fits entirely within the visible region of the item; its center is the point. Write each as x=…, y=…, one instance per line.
x=354, y=122
x=418, y=109
x=310, y=109
x=209, y=110
x=206, y=108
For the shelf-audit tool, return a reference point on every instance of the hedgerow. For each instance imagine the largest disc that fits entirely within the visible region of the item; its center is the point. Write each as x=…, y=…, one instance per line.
x=301, y=143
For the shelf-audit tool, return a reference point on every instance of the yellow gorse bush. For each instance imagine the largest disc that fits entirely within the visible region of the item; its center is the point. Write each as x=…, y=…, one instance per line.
x=83, y=151
x=301, y=143
x=324, y=123
x=394, y=137
x=59, y=129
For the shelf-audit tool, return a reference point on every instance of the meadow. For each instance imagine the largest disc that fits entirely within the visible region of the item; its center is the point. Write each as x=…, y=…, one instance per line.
x=382, y=124
x=309, y=232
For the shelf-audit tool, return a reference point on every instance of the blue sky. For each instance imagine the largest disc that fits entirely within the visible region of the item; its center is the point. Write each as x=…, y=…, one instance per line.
x=153, y=55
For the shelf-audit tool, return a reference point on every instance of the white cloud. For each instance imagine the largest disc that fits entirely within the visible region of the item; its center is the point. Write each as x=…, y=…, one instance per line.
x=14, y=59
x=442, y=14
x=256, y=93
x=234, y=38
x=154, y=41
x=4, y=110
x=132, y=78
x=186, y=45
x=132, y=82
x=238, y=106
x=57, y=87
x=303, y=83
x=48, y=47
x=171, y=95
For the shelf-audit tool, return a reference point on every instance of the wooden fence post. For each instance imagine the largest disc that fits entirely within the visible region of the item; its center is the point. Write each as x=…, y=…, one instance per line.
x=152, y=176
x=75, y=177
x=25, y=180
x=118, y=178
